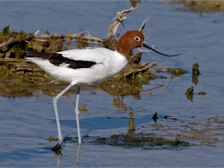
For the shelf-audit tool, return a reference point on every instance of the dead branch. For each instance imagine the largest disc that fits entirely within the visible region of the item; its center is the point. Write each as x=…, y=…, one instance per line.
x=143, y=25
x=120, y=17
x=11, y=60
x=71, y=37
x=15, y=40
x=67, y=35
x=140, y=68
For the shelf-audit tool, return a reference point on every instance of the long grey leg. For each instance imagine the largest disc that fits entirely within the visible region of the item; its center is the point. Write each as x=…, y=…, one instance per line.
x=60, y=139
x=77, y=116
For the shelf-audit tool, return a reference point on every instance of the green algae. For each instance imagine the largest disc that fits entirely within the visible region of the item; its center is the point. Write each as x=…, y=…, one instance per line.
x=189, y=93
x=168, y=137
x=145, y=141
x=195, y=73
x=5, y=32
x=195, y=69
x=163, y=135
x=206, y=6
x=131, y=125
x=178, y=71
x=201, y=93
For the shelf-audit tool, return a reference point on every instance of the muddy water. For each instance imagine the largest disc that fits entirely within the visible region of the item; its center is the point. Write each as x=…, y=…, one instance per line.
x=27, y=122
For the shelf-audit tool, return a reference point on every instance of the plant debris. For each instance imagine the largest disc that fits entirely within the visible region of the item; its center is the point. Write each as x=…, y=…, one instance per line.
x=163, y=135
x=178, y=71
x=195, y=73
x=139, y=140
x=145, y=141
x=25, y=78
x=189, y=93
x=199, y=6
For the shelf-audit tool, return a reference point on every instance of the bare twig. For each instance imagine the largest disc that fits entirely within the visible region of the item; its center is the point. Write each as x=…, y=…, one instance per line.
x=11, y=60
x=135, y=70
x=70, y=36
x=15, y=40
x=37, y=32
x=120, y=17
x=67, y=35
x=143, y=25
x=7, y=43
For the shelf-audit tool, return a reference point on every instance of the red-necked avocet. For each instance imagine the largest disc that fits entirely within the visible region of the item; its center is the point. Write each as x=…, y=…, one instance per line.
x=87, y=66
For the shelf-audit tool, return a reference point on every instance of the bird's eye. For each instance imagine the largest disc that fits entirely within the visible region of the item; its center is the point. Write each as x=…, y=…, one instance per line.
x=137, y=38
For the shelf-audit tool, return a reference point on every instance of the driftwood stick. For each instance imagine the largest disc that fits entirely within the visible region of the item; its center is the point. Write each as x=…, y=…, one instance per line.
x=70, y=36
x=143, y=24
x=7, y=43
x=16, y=40
x=67, y=35
x=11, y=60
x=120, y=17
x=135, y=70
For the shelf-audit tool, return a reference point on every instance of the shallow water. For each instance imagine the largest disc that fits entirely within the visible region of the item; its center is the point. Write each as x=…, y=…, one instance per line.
x=27, y=122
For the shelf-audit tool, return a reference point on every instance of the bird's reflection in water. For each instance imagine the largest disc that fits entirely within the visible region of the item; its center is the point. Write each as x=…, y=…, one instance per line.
x=76, y=164
x=59, y=156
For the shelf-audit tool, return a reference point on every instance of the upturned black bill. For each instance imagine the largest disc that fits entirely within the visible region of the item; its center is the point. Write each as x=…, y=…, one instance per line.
x=144, y=45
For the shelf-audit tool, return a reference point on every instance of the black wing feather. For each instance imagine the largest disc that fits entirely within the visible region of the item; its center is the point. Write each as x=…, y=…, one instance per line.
x=57, y=59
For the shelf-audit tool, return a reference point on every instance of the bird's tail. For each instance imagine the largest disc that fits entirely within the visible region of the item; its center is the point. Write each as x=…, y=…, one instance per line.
x=38, y=54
